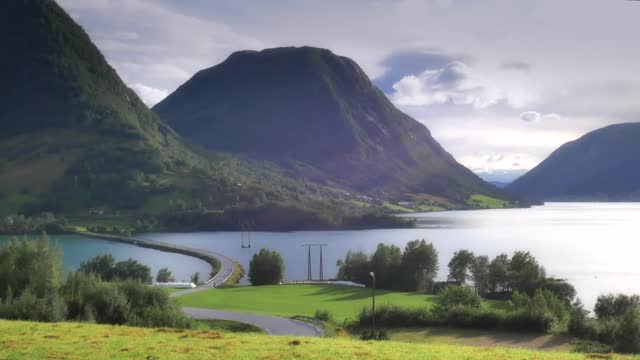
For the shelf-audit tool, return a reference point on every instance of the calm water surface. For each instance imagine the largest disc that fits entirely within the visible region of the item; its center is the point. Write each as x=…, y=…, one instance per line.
x=77, y=249
x=594, y=246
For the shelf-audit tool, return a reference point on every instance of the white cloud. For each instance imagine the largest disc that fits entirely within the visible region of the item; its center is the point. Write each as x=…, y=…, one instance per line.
x=458, y=84
x=149, y=95
x=534, y=116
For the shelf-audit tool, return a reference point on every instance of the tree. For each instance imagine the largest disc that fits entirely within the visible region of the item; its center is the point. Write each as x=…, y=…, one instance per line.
x=457, y=295
x=132, y=270
x=419, y=265
x=612, y=306
x=385, y=263
x=480, y=274
x=195, y=278
x=266, y=268
x=165, y=275
x=525, y=274
x=460, y=265
x=100, y=266
x=563, y=290
x=499, y=273
x=627, y=335
x=355, y=267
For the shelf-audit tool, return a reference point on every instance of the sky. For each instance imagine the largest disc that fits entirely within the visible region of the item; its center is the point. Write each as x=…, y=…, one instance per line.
x=501, y=84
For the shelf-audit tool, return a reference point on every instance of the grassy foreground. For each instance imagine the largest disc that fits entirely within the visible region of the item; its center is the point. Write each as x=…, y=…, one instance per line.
x=25, y=340
x=288, y=300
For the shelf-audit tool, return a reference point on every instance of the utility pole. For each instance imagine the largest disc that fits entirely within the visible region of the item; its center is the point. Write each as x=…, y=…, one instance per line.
x=321, y=269
x=373, y=305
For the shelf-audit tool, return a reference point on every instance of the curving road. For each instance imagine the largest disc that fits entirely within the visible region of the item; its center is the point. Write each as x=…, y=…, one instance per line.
x=271, y=324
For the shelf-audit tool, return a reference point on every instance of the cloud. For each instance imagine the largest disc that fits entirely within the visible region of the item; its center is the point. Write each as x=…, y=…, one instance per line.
x=456, y=83
x=149, y=95
x=400, y=63
x=516, y=65
x=534, y=116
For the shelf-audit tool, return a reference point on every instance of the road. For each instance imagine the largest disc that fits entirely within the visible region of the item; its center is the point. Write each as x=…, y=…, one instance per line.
x=226, y=269
x=271, y=324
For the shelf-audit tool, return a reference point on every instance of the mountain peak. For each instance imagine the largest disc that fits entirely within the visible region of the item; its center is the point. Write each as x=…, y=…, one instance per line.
x=317, y=114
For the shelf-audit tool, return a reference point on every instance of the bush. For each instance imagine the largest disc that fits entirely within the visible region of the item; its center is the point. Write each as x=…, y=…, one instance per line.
x=323, y=315
x=580, y=324
x=375, y=336
x=266, y=268
x=120, y=303
x=627, y=335
x=458, y=296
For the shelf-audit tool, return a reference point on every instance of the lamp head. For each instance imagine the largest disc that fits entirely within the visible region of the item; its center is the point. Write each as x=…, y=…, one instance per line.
x=372, y=275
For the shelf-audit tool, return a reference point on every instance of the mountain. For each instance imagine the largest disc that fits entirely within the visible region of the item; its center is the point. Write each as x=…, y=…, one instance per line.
x=500, y=184
x=601, y=165
x=318, y=116
x=74, y=137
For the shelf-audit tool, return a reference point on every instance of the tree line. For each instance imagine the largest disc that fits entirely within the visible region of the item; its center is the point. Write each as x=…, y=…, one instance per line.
x=33, y=287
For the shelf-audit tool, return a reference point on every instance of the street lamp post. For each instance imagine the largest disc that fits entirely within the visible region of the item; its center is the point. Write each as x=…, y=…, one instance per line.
x=373, y=305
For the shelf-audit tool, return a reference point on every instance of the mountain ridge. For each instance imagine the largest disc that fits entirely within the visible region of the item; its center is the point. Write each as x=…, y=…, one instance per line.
x=318, y=115
x=602, y=165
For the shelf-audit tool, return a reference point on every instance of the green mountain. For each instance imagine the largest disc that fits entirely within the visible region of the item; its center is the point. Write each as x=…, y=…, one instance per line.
x=74, y=137
x=601, y=165
x=320, y=117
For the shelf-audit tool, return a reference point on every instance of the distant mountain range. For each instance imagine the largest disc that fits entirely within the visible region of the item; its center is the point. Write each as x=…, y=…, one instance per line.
x=319, y=116
x=603, y=165
x=298, y=137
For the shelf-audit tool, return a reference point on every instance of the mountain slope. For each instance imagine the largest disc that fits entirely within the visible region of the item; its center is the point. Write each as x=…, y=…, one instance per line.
x=601, y=165
x=75, y=137
x=318, y=115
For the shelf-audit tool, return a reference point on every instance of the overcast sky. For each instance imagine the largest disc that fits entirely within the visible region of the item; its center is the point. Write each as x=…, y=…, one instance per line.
x=500, y=83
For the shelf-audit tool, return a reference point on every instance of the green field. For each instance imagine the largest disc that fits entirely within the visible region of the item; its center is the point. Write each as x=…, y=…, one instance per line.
x=27, y=340
x=483, y=201
x=343, y=302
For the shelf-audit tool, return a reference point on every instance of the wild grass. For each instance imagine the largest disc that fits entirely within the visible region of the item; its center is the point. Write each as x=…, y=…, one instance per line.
x=27, y=340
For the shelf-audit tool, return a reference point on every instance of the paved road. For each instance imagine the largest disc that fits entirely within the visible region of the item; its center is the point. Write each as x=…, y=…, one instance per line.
x=226, y=269
x=271, y=324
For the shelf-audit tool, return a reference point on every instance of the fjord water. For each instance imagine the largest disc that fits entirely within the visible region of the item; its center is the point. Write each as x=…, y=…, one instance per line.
x=78, y=248
x=595, y=246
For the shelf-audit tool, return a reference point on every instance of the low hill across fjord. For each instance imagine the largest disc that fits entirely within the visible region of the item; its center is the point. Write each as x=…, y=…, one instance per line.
x=603, y=165
x=320, y=117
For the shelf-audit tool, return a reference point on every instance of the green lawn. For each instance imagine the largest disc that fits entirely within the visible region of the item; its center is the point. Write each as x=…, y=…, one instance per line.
x=288, y=300
x=30, y=340
x=483, y=201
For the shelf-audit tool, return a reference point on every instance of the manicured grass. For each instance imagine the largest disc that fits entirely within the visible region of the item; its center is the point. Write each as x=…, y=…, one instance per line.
x=343, y=302
x=473, y=337
x=483, y=201
x=25, y=340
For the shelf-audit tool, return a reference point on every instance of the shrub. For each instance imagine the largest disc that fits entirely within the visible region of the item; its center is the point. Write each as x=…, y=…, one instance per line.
x=456, y=296
x=375, y=336
x=607, y=329
x=627, y=335
x=323, y=315
x=266, y=268
x=580, y=324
